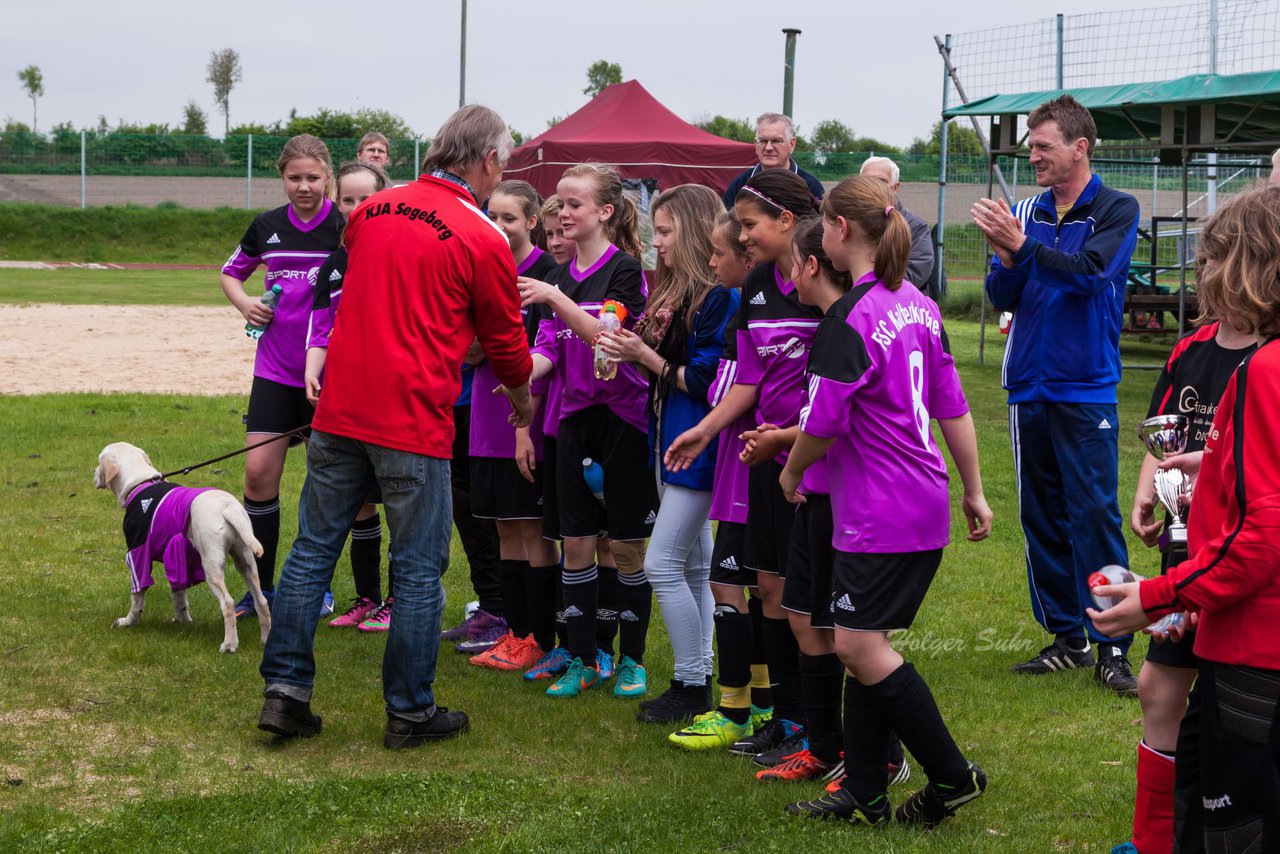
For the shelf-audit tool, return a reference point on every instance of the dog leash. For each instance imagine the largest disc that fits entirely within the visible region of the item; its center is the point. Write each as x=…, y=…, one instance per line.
x=297, y=431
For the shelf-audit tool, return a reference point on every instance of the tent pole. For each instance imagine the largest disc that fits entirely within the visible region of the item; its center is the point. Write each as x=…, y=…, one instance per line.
x=789, y=71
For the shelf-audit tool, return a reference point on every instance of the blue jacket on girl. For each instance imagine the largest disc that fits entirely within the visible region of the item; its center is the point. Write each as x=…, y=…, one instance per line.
x=682, y=410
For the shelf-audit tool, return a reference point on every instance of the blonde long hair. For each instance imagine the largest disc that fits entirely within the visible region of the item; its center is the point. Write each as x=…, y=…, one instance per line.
x=685, y=277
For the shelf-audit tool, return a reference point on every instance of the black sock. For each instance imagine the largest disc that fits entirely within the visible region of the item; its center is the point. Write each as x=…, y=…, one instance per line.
x=540, y=585
x=265, y=518
x=761, y=698
x=610, y=603
x=581, y=598
x=896, y=754
x=821, y=686
x=562, y=628
x=906, y=704
x=366, y=557
x=636, y=604
x=733, y=642
x=783, y=654
x=512, y=575
x=1074, y=641
x=866, y=744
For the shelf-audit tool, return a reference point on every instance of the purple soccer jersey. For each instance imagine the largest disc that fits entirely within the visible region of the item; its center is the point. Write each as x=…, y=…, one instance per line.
x=292, y=251
x=729, y=489
x=328, y=293
x=880, y=371
x=492, y=435
x=616, y=276
x=774, y=335
x=155, y=529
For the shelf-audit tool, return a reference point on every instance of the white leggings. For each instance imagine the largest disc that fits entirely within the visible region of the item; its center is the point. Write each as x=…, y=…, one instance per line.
x=678, y=566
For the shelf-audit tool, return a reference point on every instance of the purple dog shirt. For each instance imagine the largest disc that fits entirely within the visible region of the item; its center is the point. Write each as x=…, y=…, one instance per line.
x=155, y=526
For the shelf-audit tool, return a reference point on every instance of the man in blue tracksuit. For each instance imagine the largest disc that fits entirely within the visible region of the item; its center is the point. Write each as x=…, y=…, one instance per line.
x=1060, y=265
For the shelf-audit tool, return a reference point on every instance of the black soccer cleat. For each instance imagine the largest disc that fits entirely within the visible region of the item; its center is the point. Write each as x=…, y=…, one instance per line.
x=1113, y=671
x=1055, y=658
x=929, y=806
x=844, y=806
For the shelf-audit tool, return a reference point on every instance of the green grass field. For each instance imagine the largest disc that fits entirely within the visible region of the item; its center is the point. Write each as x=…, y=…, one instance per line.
x=145, y=738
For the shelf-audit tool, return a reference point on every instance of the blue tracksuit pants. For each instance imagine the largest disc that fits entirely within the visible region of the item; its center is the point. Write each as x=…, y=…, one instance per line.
x=1066, y=460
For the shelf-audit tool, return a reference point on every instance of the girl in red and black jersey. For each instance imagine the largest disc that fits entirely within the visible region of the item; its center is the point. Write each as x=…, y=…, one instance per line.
x=602, y=420
x=502, y=490
x=292, y=242
x=774, y=331
x=1191, y=384
x=1227, y=766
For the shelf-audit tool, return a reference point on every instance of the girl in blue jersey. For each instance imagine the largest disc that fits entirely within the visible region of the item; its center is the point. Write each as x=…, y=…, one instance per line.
x=679, y=342
x=292, y=242
x=501, y=489
x=774, y=331
x=602, y=420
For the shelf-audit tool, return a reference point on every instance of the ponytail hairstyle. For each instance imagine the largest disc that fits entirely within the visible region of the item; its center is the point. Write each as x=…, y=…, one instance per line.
x=530, y=206
x=683, y=280
x=623, y=227
x=728, y=220
x=808, y=242
x=777, y=191
x=868, y=204
x=306, y=145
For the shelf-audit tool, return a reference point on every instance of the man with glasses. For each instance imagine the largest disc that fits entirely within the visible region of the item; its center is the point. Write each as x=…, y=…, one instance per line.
x=775, y=141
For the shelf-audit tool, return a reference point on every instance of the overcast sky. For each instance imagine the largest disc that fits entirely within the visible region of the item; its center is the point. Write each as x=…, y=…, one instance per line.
x=871, y=65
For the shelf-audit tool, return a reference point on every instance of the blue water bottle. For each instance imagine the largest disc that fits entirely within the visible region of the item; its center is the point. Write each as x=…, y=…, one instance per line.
x=593, y=474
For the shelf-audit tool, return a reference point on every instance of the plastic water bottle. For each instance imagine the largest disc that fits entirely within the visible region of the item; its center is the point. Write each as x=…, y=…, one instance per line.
x=606, y=369
x=269, y=299
x=593, y=474
x=1109, y=575
x=1106, y=576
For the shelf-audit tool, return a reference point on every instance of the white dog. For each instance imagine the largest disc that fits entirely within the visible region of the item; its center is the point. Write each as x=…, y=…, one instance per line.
x=192, y=531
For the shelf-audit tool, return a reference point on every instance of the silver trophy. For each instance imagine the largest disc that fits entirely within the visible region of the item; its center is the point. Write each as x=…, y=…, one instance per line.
x=1165, y=436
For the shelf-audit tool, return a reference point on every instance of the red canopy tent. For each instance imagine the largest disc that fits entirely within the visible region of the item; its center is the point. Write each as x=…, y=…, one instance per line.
x=626, y=127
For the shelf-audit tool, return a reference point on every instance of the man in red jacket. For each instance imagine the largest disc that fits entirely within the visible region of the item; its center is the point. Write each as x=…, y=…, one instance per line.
x=1227, y=793
x=427, y=274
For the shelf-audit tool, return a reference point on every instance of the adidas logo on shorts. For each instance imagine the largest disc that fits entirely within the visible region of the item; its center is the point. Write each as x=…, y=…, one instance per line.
x=274, y=238
x=729, y=563
x=1104, y=424
x=335, y=276
x=629, y=617
x=651, y=518
x=844, y=603
x=758, y=299
x=572, y=611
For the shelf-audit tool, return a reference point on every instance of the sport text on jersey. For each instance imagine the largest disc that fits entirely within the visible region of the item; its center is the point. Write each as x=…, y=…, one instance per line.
x=792, y=349
x=414, y=214
x=901, y=316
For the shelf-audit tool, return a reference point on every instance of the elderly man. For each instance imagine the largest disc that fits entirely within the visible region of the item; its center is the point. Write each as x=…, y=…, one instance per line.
x=427, y=274
x=920, y=262
x=775, y=141
x=1060, y=264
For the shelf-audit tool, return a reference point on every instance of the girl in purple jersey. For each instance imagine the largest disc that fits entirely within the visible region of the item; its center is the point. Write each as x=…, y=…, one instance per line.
x=679, y=342
x=774, y=331
x=880, y=370
x=292, y=242
x=501, y=489
x=602, y=420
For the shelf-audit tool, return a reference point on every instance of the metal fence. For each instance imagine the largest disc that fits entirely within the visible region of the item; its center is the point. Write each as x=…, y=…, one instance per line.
x=95, y=169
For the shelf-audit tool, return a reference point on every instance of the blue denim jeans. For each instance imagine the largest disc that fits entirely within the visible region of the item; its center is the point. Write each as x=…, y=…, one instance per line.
x=417, y=505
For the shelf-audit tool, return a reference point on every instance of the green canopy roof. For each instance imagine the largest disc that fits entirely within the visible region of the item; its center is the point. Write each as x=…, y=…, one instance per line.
x=1246, y=107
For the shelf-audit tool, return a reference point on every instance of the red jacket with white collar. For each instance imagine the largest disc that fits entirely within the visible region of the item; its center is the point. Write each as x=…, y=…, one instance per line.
x=427, y=273
x=1233, y=533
